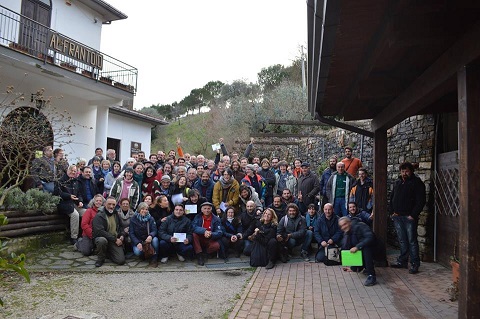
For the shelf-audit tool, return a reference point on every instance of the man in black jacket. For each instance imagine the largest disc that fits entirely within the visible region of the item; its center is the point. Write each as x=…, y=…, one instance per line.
x=358, y=236
x=108, y=234
x=406, y=202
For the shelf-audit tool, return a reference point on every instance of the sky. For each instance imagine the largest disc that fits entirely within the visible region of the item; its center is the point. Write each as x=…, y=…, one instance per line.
x=178, y=46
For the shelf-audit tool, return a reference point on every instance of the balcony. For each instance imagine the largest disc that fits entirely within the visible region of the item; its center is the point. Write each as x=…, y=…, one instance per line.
x=31, y=38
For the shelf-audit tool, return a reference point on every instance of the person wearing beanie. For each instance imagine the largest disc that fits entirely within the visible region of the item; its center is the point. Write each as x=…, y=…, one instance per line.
x=226, y=193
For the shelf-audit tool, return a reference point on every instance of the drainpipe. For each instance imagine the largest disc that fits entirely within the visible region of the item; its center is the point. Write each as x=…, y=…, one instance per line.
x=361, y=148
x=435, y=212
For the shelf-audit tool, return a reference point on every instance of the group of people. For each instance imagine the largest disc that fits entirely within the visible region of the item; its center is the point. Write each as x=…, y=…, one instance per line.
x=177, y=203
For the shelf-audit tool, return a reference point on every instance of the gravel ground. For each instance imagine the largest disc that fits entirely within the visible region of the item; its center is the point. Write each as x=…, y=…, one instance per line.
x=207, y=294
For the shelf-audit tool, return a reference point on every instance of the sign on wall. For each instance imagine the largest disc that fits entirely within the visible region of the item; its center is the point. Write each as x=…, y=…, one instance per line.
x=135, y=147
x=75, y=50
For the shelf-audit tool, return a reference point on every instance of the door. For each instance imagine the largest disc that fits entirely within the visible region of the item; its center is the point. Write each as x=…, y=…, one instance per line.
x=34, y=25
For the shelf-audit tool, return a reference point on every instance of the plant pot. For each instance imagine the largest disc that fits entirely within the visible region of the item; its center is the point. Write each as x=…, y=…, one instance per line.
x=18, y=47
x=48, y=58
x=106, y=80
x=68, y=66
x=455, y=271
x=120, y=85
x=87, y=73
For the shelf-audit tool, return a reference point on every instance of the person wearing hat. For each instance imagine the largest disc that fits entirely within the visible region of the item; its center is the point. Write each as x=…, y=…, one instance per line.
x=308, y=185
x=126, y=187
x=256, y=181
x=166, y=187
x=207, y=233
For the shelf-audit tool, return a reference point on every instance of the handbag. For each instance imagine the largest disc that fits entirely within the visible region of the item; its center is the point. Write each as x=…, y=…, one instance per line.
x=147, y=248
x=258, y=257
x=332, y=255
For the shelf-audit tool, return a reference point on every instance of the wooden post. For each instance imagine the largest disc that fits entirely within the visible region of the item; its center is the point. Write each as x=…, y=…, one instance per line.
x=380, y=184
x=469, y=155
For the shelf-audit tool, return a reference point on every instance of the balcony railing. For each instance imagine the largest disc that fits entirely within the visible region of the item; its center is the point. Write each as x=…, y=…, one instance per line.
x=29, y=37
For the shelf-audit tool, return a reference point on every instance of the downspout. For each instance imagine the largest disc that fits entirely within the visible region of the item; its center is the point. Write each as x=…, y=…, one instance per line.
x=435, y=150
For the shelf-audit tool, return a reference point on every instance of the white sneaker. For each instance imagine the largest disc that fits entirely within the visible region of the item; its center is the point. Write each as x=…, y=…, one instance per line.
x=164, y=260
x=180, y=257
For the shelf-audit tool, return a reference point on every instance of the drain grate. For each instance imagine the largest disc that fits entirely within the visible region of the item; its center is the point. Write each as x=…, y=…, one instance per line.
x=223, y=265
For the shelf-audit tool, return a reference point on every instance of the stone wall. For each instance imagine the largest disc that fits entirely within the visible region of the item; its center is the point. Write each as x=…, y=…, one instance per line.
x=411, y=140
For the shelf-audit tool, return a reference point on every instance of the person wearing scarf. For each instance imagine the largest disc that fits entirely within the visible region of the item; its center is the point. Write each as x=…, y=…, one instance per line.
x=111, y=177
x=138, y=175
x=143, y=229
x=226, y=193
x=232, y=236
x=126, y=187
x=149, y=184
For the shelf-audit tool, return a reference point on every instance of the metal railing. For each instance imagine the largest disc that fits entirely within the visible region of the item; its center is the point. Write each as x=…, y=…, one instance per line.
x=29, y=37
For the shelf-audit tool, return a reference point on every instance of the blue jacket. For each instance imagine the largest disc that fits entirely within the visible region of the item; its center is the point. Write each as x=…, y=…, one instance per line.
x=217, y=230
x=324, y=180
x=324, y=232
x=138, y=229
x=205, y=191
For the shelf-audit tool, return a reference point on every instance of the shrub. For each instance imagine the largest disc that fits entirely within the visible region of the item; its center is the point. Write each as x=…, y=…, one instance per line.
x=33, y=199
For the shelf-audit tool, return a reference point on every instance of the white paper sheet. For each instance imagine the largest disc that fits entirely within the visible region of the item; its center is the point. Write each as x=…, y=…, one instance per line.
x=180, y=237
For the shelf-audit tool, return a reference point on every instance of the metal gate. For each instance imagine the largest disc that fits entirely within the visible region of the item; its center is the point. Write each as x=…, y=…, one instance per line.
x=446, y=206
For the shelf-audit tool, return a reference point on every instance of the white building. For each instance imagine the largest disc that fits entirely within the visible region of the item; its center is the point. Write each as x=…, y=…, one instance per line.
x=56, y=43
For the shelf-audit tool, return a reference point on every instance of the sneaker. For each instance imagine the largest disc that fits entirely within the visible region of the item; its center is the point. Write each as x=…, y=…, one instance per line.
x=371, y=280
x=153, y=263
x=270, y=265
x=413, y=269
x=304, y=255
x=180, y=257
x=164, y=260
x=399, y=265
x=99, y=263
x=73, y=241
x=75, y=247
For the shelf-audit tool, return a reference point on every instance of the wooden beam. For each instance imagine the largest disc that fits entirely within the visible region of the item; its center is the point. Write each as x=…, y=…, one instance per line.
x=469, y=153
x=377, y=44
x=283, y=135
x=293, y=122
x=423, y=90
x=380, y=184
x=345, y=126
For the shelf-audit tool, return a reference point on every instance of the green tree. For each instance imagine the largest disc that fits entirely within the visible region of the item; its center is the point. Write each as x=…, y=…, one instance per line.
x=272, y=76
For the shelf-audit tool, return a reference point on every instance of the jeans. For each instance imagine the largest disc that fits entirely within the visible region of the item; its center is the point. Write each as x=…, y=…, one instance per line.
x=407, y=237
x=308, y=240
x=167, y=248
x=339, y=206
x=137, y=252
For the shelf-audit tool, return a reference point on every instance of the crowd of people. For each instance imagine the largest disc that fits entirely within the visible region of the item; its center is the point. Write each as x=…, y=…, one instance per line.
x=186, y=205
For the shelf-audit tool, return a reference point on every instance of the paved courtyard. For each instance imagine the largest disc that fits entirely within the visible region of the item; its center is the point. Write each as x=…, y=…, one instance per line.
x=296, y=289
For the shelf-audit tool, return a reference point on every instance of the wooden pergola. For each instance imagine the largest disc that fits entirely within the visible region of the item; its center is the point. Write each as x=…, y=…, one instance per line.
x=387, y=60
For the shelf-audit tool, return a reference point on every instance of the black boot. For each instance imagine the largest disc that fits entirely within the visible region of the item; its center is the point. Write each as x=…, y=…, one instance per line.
x=200, y=259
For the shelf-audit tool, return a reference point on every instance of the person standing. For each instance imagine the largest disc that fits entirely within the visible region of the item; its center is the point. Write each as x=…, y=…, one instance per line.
x=406, y=202
x=338, y=189
x=332, y=166
x=308, y=185
x=352, y=164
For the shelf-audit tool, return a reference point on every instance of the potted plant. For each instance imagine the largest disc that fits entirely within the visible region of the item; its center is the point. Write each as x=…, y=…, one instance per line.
x=46, y=58
x=69, y=66
x=18, y=47
x=106, y=79
x=87, y=73
x=120, y=85
x=455, y=263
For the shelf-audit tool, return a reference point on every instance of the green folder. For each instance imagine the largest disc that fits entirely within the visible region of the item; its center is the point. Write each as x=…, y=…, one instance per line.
x=349, y=259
